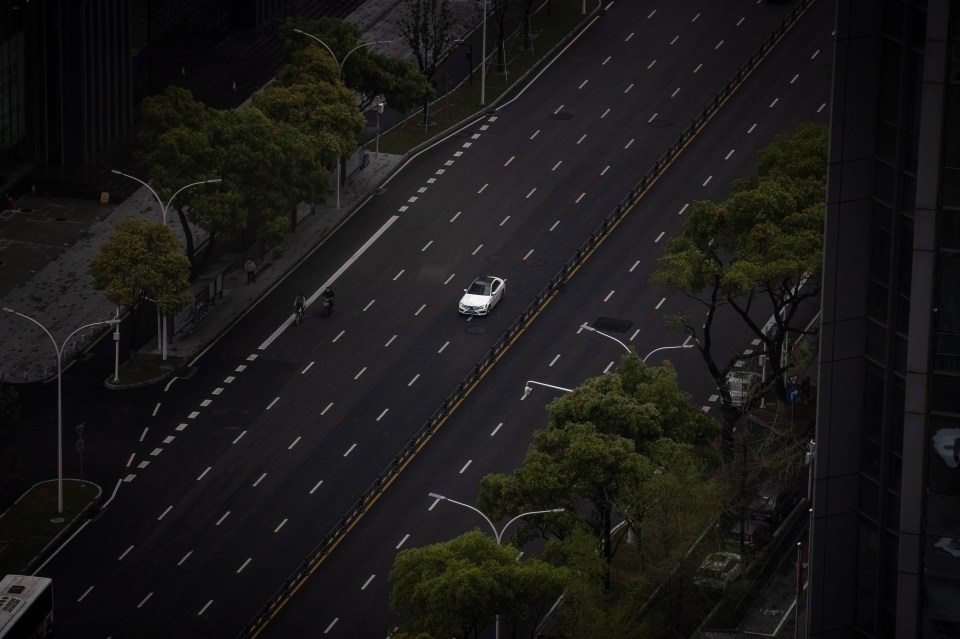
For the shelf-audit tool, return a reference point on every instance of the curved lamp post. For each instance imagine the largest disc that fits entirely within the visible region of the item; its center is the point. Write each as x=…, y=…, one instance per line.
x=664, y=348
x=165, y=207
x=587, y=327
x=162, y=332
x=497, y=534
x=59, y=349
x=340, y=64
x=527, y=389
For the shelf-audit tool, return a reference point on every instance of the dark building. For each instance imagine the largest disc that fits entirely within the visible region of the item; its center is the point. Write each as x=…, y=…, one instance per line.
x=73, y=72
x=885, y=552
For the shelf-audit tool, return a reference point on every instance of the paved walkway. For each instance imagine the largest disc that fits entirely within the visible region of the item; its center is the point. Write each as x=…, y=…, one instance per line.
x=46, y=245
x=45, y=271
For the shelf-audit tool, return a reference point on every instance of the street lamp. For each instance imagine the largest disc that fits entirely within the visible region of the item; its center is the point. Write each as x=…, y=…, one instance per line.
x=379, y=111
x=340, y=64
x=59, y=350
x=483, y=58
x=163, y=209
x=527, y=389
x=666, y=348
x=497, y=534
x=587, y=327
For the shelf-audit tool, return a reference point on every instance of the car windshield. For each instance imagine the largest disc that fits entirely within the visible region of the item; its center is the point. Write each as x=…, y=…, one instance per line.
x=480, y=287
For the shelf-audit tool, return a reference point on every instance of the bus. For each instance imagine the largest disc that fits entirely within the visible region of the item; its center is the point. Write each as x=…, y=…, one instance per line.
x=26, y=607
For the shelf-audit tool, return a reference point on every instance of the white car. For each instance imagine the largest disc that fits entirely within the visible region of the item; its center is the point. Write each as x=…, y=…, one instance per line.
x=719, y=570
x=482, y=295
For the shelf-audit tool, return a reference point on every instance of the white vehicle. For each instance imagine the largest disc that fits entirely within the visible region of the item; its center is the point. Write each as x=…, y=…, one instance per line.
x=719, y=570
x=482, y=295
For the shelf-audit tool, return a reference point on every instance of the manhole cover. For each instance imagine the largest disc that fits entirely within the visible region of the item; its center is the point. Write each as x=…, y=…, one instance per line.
x=612, y=325
x=562, y=115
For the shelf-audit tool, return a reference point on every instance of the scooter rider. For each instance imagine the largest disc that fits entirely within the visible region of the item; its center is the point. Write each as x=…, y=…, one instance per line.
x=299, y=304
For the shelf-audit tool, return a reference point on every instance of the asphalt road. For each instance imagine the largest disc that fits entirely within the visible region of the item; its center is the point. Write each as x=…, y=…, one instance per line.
x=242, y=468
x=348, y=594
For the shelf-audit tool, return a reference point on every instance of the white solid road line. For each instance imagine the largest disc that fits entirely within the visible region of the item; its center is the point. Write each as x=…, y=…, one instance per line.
x=333, y=278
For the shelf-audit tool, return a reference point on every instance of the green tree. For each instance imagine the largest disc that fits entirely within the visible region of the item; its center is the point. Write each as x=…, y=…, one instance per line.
x=427, y=27
x=758, y=253
x=501, y=10
x=455, y=588
x=367, y=73
x=641, y=403
x=142, y=260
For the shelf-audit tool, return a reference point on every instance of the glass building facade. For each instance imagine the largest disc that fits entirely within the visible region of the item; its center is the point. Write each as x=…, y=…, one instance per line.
x=885, y=550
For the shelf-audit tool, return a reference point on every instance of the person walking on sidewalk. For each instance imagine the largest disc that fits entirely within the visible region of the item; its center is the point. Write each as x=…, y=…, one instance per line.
x=251, y=268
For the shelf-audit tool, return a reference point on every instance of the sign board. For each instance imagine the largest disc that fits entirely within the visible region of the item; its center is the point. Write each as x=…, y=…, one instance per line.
x=793, y=394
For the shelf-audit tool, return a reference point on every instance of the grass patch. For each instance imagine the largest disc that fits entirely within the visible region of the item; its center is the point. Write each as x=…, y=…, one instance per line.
x=146, y=367
x=26, y=528
x=550, y=26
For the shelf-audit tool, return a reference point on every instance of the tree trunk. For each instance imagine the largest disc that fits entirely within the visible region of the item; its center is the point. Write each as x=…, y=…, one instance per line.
x=187, y=238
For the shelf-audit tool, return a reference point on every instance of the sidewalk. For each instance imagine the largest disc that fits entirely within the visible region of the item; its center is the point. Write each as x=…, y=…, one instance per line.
x=50, y=283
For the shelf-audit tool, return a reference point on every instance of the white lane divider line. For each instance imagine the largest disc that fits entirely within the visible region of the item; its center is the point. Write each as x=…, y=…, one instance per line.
x=397, y=276
x=607, y=369
x=422, y=306
x=222, y=517
x=309, y=366
x=774, y=103
x=447, y=281
x=85, y=593
x=583, y=84
x=752, y=127
x=675, y=92
x=357, y=376
x=660, y=237
x=815, y=54
x=465, y=466
x=164, y=513
x=120, y=558
x=822, y=107
x=217, y=391
x=415, y=378
x=652, y=118
x=275, y=400
x=350, y=450
x=707, y=181
x=259, y=479
x=193, y=415
x=228, y=379
x=240, y=368
x=130, y=460
x=445, y=344
x=240, y=436
x=294, y=442
x=675, y=38
x=794, y=79
x=635, y=264
x=339, y=335
x=627, y=90
x=328, y=407
x=695, y=18
x=494, y=432
x=554, y=225
x=650, y=66
x=628, y=144
x=680, y=212
x=557, y=165
x=204, y=473
x=332, y=624
x=333, y=278
x=554, y=360
x=605, y=114
x=144, y=433
x=185, y=557
x=279, y=526
x=251, y=357
x=477, y=250
x=634, y=336
x=244, y=565
x=604, y=63
x=719, y=44
x=604, y=172
x=168, y=439
x=402, y=541
x=659, y=304
x=559, y=109
x=529, y=253
x=508, y=217
x=155, y=409
x=507, y=163
x=483, y=188
x=155, y=452
x=367, y=582
x=582, y=138
x=609, y=295
x=143, y=464
x=380, y=416
x=577, y=201
x=699, y=66
x=204, y=609
x=206, y=403
x=369, y=304
x=456, y=215
x=427, y=245
x=318, y=484
x=390, y=341
x=740, y=21
x=144, y=600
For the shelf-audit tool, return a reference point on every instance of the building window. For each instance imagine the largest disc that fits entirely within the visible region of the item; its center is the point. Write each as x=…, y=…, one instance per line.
x=943, y=465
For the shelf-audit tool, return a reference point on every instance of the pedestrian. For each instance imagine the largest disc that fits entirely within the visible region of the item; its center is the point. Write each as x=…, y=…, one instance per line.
x=251, y=268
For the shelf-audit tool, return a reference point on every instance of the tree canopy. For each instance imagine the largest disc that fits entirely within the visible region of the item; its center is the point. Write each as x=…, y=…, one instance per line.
x=757, y=253
x=455, y=588
x=142, y=259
